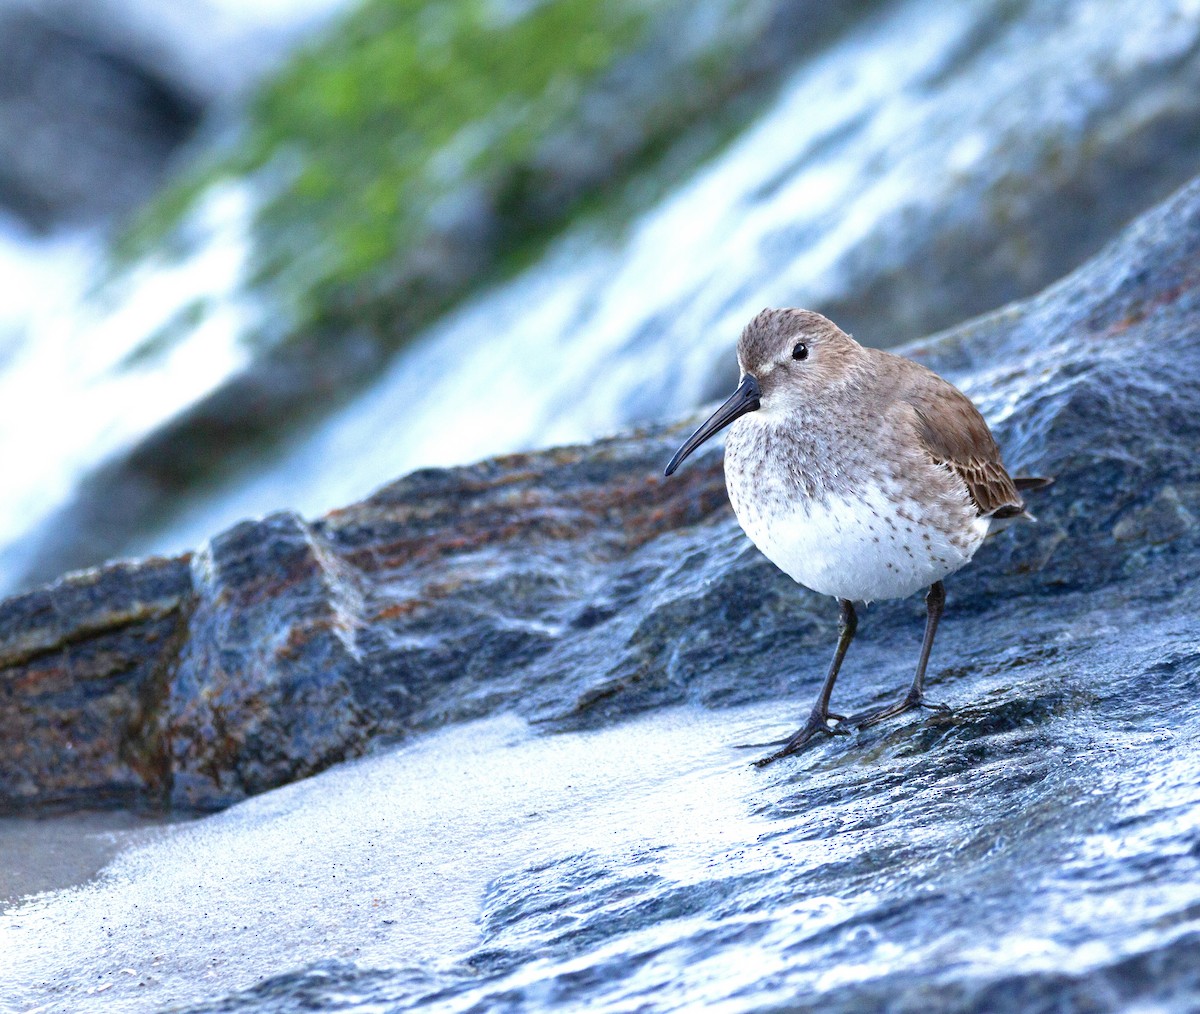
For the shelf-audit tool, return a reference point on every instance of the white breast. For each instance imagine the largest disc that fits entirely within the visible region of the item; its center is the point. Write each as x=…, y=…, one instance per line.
x=861, y=547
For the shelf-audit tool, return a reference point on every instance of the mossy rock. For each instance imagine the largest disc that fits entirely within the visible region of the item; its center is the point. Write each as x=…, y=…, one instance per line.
x=419, y=149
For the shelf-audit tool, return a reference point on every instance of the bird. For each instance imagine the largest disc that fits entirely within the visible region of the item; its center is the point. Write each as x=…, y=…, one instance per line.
x=860, y=474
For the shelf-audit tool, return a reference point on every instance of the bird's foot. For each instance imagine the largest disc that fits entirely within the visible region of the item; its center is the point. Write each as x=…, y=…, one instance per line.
x=910, y=702
x=816, y=726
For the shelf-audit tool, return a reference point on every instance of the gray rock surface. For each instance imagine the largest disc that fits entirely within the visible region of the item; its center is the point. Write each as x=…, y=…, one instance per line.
x=1034, y=850
x=96, y=96
x=86, y=126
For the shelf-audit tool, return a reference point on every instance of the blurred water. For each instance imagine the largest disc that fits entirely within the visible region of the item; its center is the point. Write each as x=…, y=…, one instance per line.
x=931, y=137
x=72, y=390
x=72, y=394
x=895, y=142
x=606, y=330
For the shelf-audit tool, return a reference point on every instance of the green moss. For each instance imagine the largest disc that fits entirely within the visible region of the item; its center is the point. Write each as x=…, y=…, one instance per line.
x=357, y=140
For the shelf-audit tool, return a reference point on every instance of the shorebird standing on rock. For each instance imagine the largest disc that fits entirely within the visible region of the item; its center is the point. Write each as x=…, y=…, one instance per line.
x=861, y=475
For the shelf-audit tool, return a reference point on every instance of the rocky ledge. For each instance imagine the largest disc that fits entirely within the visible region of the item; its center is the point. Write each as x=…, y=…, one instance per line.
x=1053, y=814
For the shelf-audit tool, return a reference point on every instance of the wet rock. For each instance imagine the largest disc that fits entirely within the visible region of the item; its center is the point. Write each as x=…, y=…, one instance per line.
x=1035, y=849
x=263, y=693
x=86, y=663
x=305, y=642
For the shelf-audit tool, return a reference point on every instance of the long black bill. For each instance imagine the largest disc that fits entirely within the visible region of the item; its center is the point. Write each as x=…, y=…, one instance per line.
x=744, y=399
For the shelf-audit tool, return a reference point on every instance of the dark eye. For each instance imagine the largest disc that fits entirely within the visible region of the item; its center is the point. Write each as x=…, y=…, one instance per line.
x=800, y=351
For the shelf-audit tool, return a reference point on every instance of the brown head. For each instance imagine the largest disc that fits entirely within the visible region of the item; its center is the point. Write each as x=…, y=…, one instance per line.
x=787, y=357
x=794, y=355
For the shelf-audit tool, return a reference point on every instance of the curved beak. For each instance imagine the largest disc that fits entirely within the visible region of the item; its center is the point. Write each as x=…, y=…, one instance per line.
x=745, y=399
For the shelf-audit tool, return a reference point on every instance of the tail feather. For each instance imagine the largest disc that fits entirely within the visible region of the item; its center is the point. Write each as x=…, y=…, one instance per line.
x=1006, y=515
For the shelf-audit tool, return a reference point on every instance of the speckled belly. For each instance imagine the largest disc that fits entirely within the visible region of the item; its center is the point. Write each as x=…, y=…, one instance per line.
x=863, y=547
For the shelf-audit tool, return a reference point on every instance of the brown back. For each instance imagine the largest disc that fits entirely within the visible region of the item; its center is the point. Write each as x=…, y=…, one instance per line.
x=956, y=435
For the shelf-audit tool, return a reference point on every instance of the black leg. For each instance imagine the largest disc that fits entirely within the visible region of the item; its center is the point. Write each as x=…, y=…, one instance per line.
x=818, y=721
x=935, y=603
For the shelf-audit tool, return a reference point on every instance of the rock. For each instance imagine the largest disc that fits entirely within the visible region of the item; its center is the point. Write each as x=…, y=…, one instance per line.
x=85, y=664
x=307, y=641
x=97, y=96
x=86, y=128
x=265, y=690
x=1036, y=849
x=740, y=154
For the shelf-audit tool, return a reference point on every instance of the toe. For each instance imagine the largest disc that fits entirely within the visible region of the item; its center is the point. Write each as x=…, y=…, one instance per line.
x=813, y=728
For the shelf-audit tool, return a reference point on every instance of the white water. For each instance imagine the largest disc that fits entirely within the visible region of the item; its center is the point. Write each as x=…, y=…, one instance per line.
x=382, y=861
x=70, y=396
x=857, y=160
x=69, y=399
x=605, y=331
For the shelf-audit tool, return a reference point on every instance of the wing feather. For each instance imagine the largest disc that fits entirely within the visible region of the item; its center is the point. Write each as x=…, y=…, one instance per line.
x=956, y=435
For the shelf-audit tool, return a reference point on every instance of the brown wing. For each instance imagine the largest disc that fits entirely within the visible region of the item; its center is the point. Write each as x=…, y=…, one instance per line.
x=956, y=435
